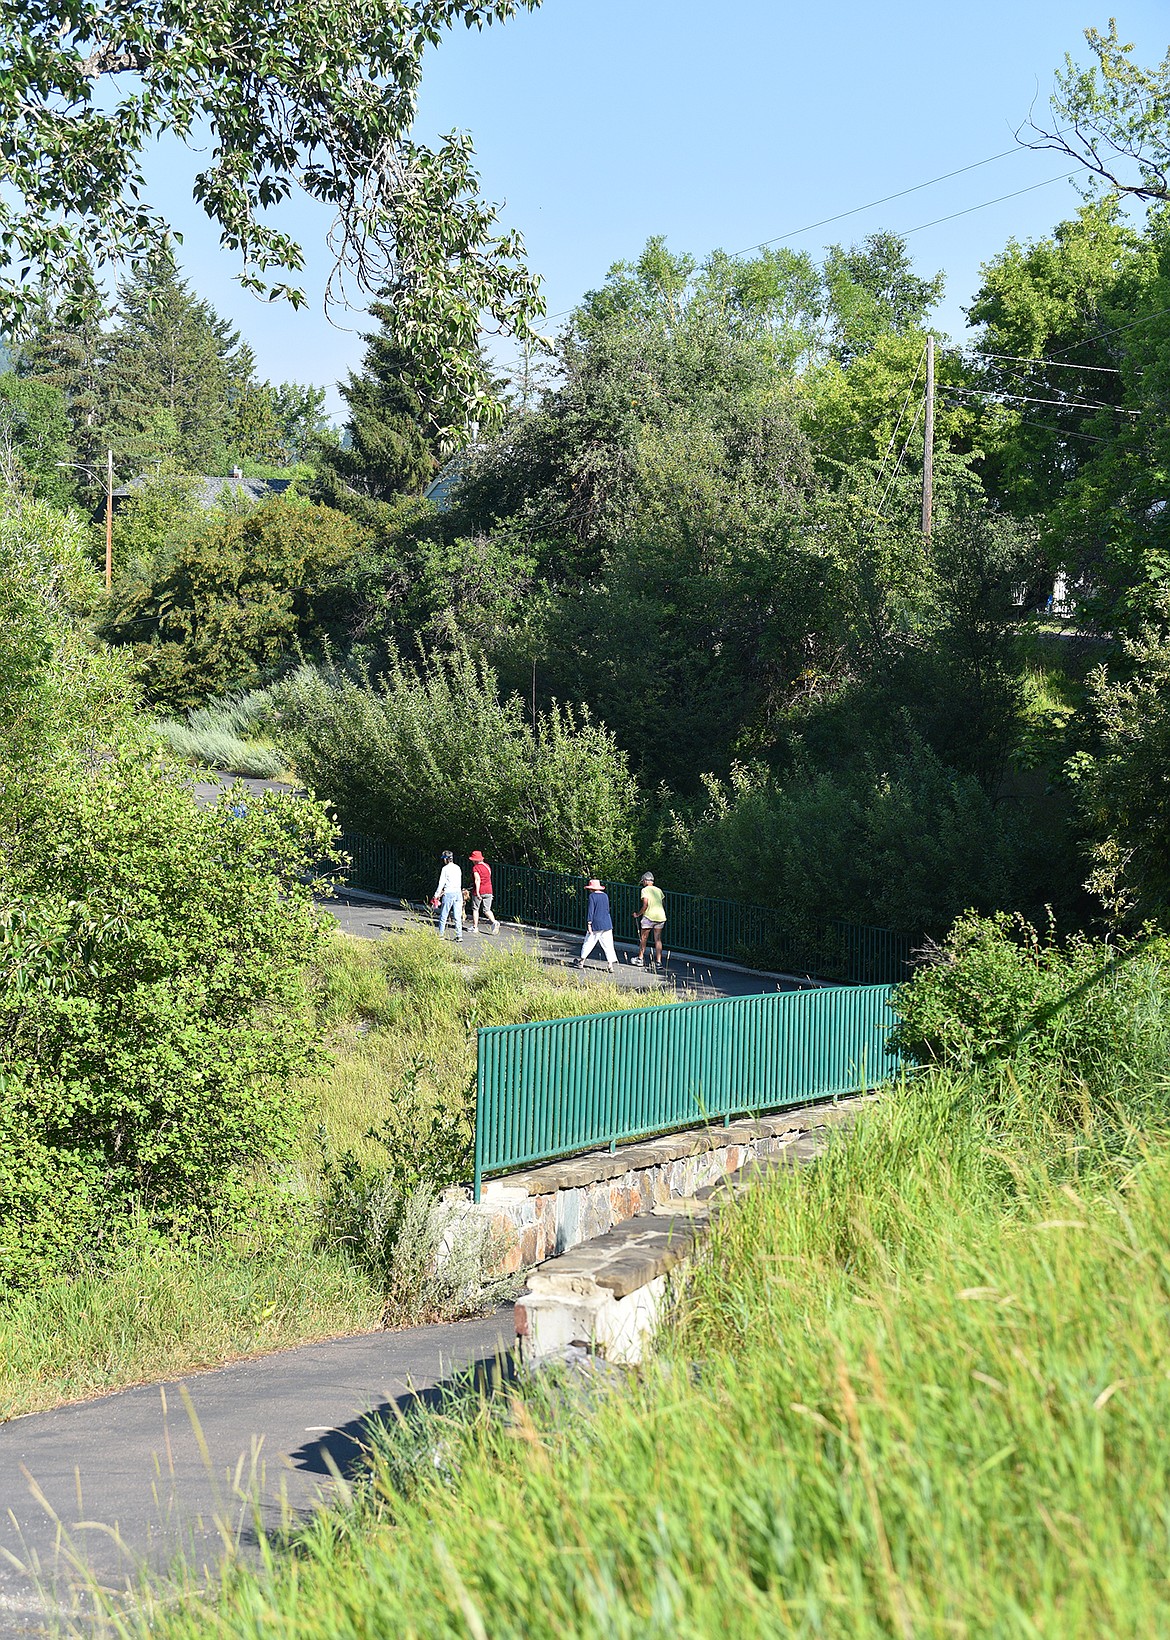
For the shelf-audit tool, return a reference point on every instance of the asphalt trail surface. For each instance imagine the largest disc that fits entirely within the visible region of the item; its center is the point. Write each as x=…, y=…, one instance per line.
x=373, y=917
x=97, y=1493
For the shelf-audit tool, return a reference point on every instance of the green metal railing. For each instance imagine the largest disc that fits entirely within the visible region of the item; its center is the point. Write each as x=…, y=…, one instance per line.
x=565, y=1085
x=702, y=926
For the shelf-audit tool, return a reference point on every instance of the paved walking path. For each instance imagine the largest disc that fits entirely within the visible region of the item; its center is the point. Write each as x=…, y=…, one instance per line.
x=373, y=916
x=98, y=1491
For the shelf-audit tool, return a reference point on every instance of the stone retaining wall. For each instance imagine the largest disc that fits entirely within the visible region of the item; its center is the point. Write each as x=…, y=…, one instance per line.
x=544, y=1211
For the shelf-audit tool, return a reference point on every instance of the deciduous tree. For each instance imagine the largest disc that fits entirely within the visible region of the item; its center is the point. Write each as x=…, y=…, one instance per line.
x=283, y=96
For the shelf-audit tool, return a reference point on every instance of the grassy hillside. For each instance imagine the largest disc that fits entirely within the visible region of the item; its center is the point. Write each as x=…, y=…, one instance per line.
x=921, y=1390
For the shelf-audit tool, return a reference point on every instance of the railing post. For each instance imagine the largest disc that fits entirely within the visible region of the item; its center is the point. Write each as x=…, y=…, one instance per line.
x=477, y=1185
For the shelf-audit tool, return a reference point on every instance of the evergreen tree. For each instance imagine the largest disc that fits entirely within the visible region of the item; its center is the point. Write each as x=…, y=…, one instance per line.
x=68, y=357
x=173, y=374
x=35, y=450
x=398, y=411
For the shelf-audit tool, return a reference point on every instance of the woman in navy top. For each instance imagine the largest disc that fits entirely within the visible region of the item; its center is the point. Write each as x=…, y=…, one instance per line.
x=598, y=925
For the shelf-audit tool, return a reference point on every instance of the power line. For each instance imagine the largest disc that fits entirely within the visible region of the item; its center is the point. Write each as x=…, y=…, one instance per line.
x=901, y=455
x=1063, y=177
x=1089, y=438
x=1021, y=398
x=824, y=222
x=1061, y=432
x=901, y=413
x=1016, y=358
x=1148, y=319
x=856, y=210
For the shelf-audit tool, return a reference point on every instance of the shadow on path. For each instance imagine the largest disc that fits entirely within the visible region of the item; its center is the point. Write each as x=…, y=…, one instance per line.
x=165, y=1480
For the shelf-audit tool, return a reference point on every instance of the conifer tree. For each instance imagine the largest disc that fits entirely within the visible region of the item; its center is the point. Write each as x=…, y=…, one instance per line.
x=173, y=374
x=394, y=442
x=68, y=357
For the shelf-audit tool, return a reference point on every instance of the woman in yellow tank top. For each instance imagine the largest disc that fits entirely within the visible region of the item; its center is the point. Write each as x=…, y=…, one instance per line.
x=651, y=919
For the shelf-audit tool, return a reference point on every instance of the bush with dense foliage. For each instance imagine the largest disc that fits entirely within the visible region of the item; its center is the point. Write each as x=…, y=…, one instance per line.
x=905, y=847
x=151, y=1001
x=235, y=599
x=151, y=953
x=433, y=755
x=998, y=990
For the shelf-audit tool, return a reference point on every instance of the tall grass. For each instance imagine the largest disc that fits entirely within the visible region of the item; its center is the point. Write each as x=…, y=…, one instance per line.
x=238, y=734
x=160, y=1308
x=921, y=1389
x=399, y=1019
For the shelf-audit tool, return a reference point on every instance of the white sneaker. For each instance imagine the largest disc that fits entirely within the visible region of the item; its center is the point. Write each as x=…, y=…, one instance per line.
x=635, y=962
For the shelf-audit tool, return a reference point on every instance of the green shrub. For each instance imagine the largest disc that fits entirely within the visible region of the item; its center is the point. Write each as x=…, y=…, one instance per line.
x=234, y=600
x=999, y=991
x=431, y=753
x=905, y=847
x=152, y=1004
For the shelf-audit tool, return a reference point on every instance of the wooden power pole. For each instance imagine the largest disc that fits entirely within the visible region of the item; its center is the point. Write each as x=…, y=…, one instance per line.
x=109, y=519
x=928, y=443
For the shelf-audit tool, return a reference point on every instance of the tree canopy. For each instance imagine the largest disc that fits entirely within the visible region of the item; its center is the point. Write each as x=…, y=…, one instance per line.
x=284, y=96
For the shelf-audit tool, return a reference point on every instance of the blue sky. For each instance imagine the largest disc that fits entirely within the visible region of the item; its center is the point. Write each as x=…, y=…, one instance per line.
x=600, y=122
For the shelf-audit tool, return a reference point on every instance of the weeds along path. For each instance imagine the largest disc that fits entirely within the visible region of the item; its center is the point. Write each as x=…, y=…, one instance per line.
x=97, y=1492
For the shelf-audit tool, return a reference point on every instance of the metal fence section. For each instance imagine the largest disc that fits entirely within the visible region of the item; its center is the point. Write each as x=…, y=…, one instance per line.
x=735, y=930
x=565, y=1085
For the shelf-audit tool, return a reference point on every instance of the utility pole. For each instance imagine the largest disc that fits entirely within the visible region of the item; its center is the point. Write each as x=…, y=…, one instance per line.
x=109, y=519
x=928, y=443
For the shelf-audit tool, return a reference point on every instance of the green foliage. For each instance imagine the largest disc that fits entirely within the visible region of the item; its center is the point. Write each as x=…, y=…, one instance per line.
x=54, y=690
x=1112, y=118
x=872, y=292
x=997, y=991
x=161, y=517
x=395, y=417
x=152, y=1009
x=234, y=600
x=236, y=734
x=170, y=371
x=906, y=846
x=382, y=1209
x=1089, y=463
x=1123, y=783
x=432, y=752
x=35, y=447
x=161, y=1303
x=897, y=1391
x=325, y=103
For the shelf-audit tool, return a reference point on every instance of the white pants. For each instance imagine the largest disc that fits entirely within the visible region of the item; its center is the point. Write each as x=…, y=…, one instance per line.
x=605, y=940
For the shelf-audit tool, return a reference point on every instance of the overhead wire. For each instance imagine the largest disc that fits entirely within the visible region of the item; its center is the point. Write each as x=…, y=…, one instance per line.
x=1116, y=330
x=1061, y=432
x=901, y=413
x=901, y=193
x=901, y=457
x=1018, y=358
x=1022, y=398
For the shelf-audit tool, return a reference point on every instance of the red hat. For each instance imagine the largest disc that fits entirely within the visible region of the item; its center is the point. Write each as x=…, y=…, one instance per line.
x=475, y=857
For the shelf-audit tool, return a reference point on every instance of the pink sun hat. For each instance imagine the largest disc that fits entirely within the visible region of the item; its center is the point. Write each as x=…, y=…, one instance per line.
x=593, y=883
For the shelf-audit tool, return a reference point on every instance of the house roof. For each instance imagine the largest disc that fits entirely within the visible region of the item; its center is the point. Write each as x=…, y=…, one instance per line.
x=212, y=488
x=441, y=489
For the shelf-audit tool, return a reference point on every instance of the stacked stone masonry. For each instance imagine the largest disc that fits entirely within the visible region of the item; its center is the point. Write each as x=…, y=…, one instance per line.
x=541, y=1213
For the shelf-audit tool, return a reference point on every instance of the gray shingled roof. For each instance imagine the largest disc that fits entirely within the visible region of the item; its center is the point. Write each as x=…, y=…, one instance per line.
x=212, y=489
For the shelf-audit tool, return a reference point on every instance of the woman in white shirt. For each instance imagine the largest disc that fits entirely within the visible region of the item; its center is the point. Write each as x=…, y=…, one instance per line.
x=449, y=894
